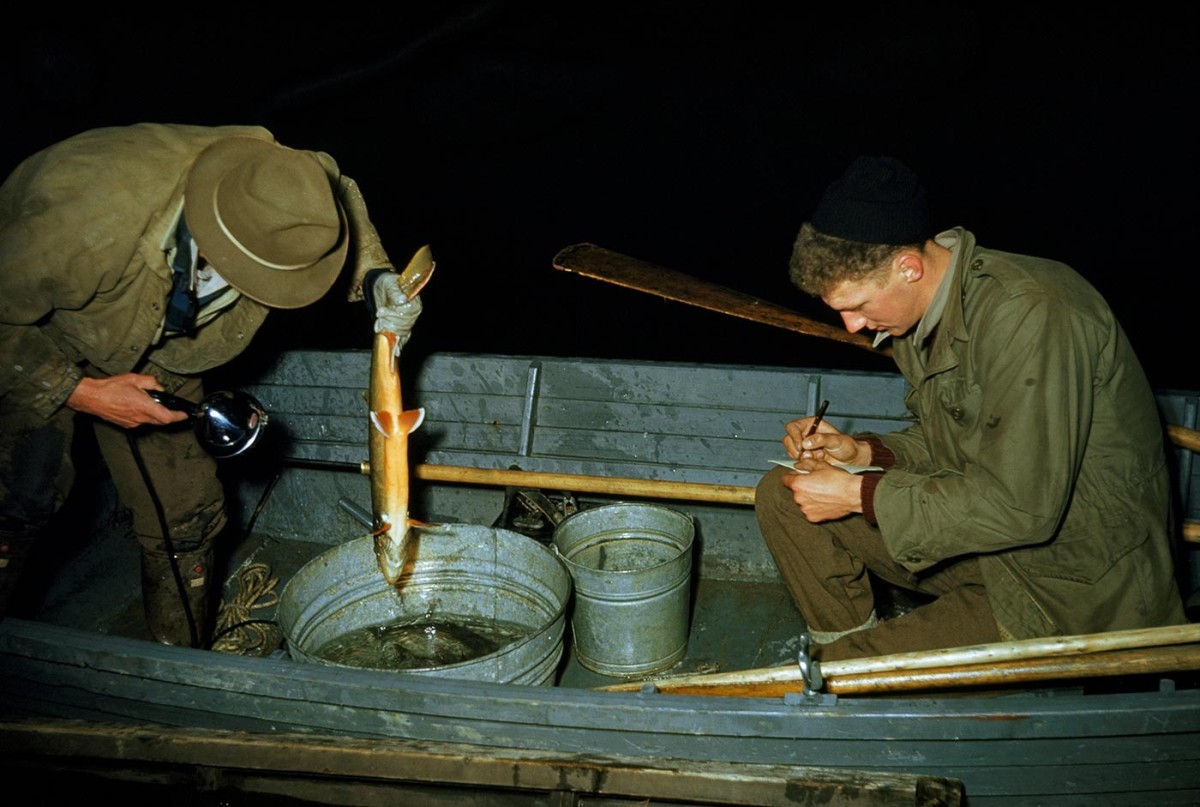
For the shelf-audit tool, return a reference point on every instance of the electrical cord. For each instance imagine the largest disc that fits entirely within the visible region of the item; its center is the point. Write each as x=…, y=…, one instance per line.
x=193, y=631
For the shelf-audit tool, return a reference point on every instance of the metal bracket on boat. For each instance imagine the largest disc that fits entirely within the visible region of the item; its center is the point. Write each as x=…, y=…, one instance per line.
x=539, y=502
x=810, y=668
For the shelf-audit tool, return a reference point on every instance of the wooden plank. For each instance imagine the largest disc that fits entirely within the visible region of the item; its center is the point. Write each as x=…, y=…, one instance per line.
x=662, y=418
x=657, y=449
x=687, y=385
x=464, y=765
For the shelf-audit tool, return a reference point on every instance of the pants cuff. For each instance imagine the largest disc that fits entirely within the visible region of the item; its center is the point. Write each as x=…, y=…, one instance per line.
x=828, y=637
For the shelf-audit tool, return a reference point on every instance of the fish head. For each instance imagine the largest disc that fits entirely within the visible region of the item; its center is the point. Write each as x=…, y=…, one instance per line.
x=390, y=552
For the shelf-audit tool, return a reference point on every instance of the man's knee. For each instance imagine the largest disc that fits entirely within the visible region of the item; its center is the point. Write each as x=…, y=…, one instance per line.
x=771, y=494
x=190, y=532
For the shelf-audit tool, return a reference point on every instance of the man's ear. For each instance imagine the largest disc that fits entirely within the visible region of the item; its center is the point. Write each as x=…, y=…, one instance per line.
x=911, y=267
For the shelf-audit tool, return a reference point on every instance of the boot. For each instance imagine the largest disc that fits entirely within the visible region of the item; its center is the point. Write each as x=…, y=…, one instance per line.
x=173, y=618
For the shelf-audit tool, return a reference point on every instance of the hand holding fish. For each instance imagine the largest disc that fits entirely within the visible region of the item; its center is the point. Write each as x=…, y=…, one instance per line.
x=395, y=310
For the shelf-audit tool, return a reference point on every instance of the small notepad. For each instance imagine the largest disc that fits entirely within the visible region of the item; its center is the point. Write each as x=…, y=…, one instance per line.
x=853, y=469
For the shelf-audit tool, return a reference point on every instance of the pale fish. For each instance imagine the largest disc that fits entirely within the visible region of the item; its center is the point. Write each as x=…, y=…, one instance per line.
x=387, y=441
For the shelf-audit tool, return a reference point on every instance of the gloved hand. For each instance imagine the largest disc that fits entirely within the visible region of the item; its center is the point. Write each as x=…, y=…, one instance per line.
x=393, y=310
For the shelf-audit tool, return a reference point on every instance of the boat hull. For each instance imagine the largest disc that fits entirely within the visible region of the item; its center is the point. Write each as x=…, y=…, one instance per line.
x=1132, y=741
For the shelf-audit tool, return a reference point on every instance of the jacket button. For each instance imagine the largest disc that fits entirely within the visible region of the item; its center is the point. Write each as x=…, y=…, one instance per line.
x=977, y=264
x=957, y=413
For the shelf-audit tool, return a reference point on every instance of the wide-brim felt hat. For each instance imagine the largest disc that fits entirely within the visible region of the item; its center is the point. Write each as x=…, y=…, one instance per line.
x=266, y=218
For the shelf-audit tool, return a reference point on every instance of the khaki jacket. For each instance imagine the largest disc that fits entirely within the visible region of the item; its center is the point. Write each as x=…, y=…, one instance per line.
x=85, y=229
x=1039, y=449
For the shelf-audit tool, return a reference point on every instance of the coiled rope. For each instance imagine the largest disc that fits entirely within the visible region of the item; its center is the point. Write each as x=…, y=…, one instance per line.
x=237, y=630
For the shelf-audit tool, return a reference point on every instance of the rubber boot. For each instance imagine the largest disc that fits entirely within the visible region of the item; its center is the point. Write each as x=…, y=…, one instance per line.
x=173, y=617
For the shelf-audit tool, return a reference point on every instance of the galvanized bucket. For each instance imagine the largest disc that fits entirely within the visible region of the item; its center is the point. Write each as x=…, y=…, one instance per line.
x=632, y=569
x=461, y=570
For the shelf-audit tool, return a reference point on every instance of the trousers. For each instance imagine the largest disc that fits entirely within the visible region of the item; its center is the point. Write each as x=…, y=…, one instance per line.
x=828, y=569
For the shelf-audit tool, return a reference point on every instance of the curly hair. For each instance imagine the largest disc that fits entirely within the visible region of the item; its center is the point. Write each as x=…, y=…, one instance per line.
x=820, y=262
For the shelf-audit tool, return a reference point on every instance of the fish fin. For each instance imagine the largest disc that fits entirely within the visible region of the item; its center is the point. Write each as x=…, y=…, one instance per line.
x=383, y=422
x=411, y=420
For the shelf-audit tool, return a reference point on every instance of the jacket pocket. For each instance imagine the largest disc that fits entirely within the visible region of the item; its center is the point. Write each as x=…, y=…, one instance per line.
x=1086, y=552
x=950, y=405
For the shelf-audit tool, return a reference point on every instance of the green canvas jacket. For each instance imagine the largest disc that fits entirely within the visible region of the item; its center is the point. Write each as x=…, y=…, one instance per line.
x=1038, y=447
x=85, y=229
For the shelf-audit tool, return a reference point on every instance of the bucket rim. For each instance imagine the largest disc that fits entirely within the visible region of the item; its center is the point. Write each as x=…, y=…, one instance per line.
x=549, y=630
x=685, y=544
x=691, y=520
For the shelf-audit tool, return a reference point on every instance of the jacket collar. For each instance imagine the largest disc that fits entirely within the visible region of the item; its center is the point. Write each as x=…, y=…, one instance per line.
x=952, y=326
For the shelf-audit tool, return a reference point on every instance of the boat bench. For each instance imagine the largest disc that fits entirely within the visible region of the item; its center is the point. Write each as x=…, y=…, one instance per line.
x=690, y=423
x=714, y=425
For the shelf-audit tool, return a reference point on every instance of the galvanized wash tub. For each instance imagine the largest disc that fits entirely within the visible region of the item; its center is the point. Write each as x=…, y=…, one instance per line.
x=459, y=571
x=632, y=566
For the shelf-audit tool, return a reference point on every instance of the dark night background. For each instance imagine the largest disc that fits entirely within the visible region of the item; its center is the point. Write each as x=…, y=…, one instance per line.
x=694, y=136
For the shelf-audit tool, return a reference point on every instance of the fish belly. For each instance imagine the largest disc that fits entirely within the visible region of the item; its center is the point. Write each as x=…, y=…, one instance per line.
x=388, y=452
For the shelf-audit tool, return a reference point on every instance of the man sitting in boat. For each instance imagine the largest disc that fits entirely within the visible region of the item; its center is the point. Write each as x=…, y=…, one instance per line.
x=135, y=259
x=1030, y=497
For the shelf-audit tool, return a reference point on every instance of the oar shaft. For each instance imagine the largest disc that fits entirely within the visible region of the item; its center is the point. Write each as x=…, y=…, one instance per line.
x=1184, y=437
x=998, y=652
x=910, y=666
x=578, y=483
x=1136, y=661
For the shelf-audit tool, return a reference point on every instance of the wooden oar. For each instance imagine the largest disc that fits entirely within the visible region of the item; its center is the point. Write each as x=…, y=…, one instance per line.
x=575, y=483
x=579, y=483
x=1184, y=437
x=1169, y=648
x=1141, y=661
x=598, y=263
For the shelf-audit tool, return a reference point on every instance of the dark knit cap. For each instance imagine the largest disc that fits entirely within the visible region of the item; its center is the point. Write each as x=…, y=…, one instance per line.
x=879, y=200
